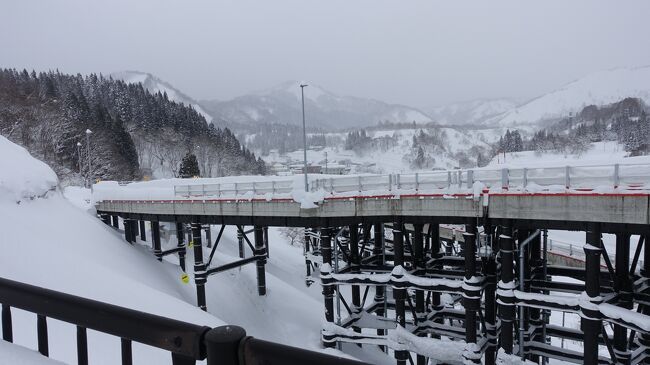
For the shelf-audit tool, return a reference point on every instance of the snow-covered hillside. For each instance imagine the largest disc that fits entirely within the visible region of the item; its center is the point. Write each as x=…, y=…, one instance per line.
x=471, y=112
x=600, y=88
x=599, y=153
x=282, y=104
x=155, y=85
x=394, y=158
x=53, y=243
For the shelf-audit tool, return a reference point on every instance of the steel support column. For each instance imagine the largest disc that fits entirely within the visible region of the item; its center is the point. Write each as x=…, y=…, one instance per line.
x=181, y=244
x=590, y=316
x=155, y=240
x=420, y=264
x=505, y=289
x=199, y=267
x=260, y=253
x=355, y=262
x=624, y=285
x=328, y=290
x=399, y=294
x=380, y=290
x=471, y=294
x=143, y=231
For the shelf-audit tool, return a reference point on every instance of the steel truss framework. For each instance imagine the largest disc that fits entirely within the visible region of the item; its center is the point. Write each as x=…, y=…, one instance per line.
x=414, y=288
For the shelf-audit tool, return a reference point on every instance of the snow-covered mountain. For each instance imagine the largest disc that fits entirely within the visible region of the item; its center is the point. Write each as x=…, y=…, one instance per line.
x=471, y=112
x=154, y=85
x=282, y=104
x=600, y=88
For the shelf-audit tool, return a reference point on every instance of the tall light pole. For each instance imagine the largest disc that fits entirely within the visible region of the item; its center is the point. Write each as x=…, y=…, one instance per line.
x=79, y=159
x=90, y=175
x=304, y=135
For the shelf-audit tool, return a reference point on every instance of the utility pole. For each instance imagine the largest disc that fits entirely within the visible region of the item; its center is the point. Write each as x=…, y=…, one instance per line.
x=90, y=175
x=304, y=135
x=79, y=160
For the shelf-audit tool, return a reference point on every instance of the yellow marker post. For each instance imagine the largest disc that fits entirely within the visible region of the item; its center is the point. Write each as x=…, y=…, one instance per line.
x=185, y=278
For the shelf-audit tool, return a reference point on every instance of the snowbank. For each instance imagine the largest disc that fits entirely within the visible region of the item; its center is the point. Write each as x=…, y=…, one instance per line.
x=22, y=177
x=15, y=354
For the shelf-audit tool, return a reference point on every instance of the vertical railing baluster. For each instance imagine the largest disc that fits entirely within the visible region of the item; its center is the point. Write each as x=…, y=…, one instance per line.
x=41, y=332
x=525, y=178
x=82, y=346
x=127, y=352
x=567, y=177
x=504, y=179
x=7, y=328
x=616, y=176
x=448, y=179
x=417, y=182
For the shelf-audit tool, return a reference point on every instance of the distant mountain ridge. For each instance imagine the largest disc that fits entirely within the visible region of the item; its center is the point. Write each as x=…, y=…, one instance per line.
x=154, y=85
x=471, y=112
x=282, y=104
x=599, y=88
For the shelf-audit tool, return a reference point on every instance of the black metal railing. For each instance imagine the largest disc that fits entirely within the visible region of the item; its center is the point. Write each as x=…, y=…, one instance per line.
x=225, y=345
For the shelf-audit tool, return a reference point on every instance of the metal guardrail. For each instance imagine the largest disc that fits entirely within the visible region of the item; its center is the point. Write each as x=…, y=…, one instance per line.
x=187, y=342
x=631, y=176
x=576, y=251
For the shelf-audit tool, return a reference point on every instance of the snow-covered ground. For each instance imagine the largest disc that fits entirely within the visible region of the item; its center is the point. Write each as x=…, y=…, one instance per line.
x=59, y=244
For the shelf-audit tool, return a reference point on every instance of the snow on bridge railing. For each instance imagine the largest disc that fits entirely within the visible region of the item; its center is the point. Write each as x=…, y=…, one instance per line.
x=533, y=179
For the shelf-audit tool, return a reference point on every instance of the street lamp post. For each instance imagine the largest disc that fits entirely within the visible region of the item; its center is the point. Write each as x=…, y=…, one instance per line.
x=304, y=135
x=90, y=175
x=79, y=159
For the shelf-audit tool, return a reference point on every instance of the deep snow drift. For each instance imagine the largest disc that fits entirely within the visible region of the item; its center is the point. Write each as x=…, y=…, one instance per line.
x=61, y=245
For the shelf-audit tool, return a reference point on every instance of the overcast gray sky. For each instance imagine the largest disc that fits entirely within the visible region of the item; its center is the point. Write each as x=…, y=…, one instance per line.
x=420, y=53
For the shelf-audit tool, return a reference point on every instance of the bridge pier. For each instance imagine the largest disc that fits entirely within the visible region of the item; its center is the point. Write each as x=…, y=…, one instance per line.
x=200, y=277
x=505, y=294
x=471, y=295
x=180, y=245
x=624, y=286
x=155, y=240
x=116, y=221
x=260, y=254
x=143, y=231
x=399, y=294
x=328, y=290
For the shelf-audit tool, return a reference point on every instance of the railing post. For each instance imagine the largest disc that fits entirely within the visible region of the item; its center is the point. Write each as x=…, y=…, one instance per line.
x=448, y=179
x=399, y=183
x=236, y=191
x=525, y=178
x=567, y=176
x=41, y=329
x=218, y=190
x=417, y=182
x=504, y=179
x=390, y=182
x=460, y=178
x=328, y=290
x=505, y=294
x=359, y=183
x=7, y=328
x=616, y=176
x=127, y=352
x=470, y=179
x=272, y=186
x=82, y=346
x=222, y=345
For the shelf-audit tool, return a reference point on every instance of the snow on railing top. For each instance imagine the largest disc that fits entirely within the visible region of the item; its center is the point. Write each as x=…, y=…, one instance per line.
x=559, y=179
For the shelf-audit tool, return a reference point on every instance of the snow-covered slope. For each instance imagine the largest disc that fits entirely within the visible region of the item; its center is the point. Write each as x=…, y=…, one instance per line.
x=604, y=87
x=50, y=242
x=471, y=112
x=23, y=177
x=282, y=104
x=154, y=85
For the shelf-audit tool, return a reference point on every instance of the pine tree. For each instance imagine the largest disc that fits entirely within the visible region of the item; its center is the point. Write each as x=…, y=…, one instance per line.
x=189, y=167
